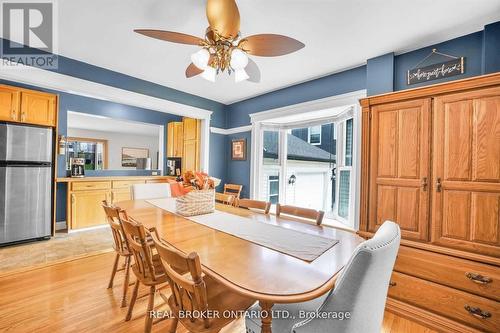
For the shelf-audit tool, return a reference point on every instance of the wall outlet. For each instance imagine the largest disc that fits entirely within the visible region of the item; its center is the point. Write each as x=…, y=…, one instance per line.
x=154, y=173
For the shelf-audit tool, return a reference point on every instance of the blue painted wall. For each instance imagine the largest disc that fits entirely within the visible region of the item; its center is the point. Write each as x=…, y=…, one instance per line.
x=468, y=46
x=238, y=172
x=111, y=78
x=380, y=74
x=491, y=48
x=335, y=84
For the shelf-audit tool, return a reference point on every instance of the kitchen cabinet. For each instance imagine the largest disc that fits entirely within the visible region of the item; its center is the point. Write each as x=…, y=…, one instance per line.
x=191, y=152
x=9, y=103
x=27, y=106
x=86, y=209
x=38, y=108
x=183, y=140
x=175, y=139
x=85, y=196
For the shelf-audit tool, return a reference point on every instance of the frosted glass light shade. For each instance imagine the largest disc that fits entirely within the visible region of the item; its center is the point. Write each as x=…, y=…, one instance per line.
x=240, y=75
x=239, y=59
x=209, y=74
x=200, y=58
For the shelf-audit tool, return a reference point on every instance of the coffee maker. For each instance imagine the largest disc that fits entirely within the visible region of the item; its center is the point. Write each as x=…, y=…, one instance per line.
x=77, y=167
x=174, y=166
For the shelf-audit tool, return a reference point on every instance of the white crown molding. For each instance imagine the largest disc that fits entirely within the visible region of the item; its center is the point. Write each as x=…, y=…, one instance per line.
x=351, y=98
x=229, y=131
x=65, y=83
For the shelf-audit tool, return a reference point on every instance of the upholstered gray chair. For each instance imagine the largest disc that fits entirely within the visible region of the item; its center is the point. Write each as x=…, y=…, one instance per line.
x=360, y=291
x=150, y=191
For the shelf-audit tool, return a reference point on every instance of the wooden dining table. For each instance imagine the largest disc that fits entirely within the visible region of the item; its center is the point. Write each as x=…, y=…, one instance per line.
x=252, y=270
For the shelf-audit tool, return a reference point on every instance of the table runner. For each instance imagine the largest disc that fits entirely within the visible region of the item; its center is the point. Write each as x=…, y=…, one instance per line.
x=297, y=244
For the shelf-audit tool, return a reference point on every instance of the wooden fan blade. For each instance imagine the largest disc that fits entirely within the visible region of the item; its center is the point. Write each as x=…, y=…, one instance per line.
x=171, y=36
x=192, y=70
x=253, y=71
x=224, y=17
x=270, y=45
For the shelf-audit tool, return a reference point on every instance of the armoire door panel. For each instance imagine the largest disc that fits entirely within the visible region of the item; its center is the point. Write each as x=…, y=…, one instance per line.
x=408, y=140
x=457, y=141
x=387, y=160
x=466, y=171
x=387, y=198
x=486, y=143
x=407, y=208
x=399, y=179
x=485, y=219
x=456, y=214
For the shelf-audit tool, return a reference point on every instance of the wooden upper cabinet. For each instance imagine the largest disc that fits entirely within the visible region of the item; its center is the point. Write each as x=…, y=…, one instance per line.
x=9, y=103
x=466, y=168
x=38, y=108
x=191, y=150
x=191, y=128
x=399, y=170
x=175, y=139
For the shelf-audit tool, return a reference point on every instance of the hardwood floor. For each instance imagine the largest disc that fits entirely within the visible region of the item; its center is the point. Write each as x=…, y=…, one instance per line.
x=72, y=297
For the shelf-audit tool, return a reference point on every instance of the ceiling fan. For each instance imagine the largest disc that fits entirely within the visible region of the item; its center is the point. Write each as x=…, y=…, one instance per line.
x=223, y=48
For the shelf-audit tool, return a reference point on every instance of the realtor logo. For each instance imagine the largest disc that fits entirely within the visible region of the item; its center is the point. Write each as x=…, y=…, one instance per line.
x=28, y=31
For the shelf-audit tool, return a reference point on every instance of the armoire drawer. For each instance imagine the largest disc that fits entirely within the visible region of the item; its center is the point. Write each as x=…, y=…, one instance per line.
x=470, y=276
x=471, y=310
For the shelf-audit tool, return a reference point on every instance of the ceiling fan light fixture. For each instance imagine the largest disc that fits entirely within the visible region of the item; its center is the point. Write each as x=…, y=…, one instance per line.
x=240, y=75
x=239, y=59
x=209, y=74
x=200, y=58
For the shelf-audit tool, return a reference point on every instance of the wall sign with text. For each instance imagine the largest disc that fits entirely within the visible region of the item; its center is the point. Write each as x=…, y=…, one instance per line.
x=436, y=71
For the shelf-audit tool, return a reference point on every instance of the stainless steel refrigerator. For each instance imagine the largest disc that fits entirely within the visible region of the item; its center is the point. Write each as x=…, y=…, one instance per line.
x=26, y=184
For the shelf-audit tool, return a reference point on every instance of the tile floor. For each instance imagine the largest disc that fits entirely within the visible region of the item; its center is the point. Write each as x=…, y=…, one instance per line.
x=62, y=247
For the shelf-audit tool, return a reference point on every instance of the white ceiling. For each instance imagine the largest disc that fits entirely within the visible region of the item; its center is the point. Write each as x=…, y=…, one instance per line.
x=85, y=121
x=338, y=34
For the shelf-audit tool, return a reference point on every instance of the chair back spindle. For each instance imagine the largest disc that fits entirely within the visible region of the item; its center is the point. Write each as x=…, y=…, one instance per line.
x=189, y=294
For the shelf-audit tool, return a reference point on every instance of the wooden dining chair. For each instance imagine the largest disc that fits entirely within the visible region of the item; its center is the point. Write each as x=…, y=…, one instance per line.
x=195, y=292
x=306, y=213
x=254, y=204
x=147, y=266
x=233, y=189
x=361, y=288
x=120, y=247
x=226, y=199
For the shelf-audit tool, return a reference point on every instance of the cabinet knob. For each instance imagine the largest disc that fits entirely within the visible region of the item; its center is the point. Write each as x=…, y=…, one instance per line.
x=13, y=114
x=438, y=185
x=478, y=278
x=477, y=312
x=392, y=284
x=424, y=184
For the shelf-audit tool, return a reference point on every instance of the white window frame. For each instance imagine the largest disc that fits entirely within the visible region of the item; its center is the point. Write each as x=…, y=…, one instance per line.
x=341, y=129
x=309, y=135
x=263, y=120
x=269, y=187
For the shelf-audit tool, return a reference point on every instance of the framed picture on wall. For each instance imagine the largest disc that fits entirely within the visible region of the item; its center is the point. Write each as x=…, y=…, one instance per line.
x=130, y=156
x=239, y=149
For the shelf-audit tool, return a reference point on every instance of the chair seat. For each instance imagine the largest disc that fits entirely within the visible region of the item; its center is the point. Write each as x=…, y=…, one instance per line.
x=279, y=324
x=160, y=275
x=219, y=299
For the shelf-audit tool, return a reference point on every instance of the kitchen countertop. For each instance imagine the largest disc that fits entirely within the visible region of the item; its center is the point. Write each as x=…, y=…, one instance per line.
x=90, y=179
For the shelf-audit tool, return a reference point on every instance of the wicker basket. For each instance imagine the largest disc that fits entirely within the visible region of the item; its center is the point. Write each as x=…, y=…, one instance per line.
x=196, y=203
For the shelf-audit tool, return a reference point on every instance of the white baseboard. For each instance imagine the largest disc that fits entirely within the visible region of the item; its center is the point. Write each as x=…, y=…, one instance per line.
x=61, y=225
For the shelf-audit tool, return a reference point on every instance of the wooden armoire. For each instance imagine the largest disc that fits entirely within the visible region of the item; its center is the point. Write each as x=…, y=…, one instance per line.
x=431, y=163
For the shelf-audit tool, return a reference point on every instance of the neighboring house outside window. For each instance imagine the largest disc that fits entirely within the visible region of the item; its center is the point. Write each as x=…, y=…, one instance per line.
x=314, y=135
